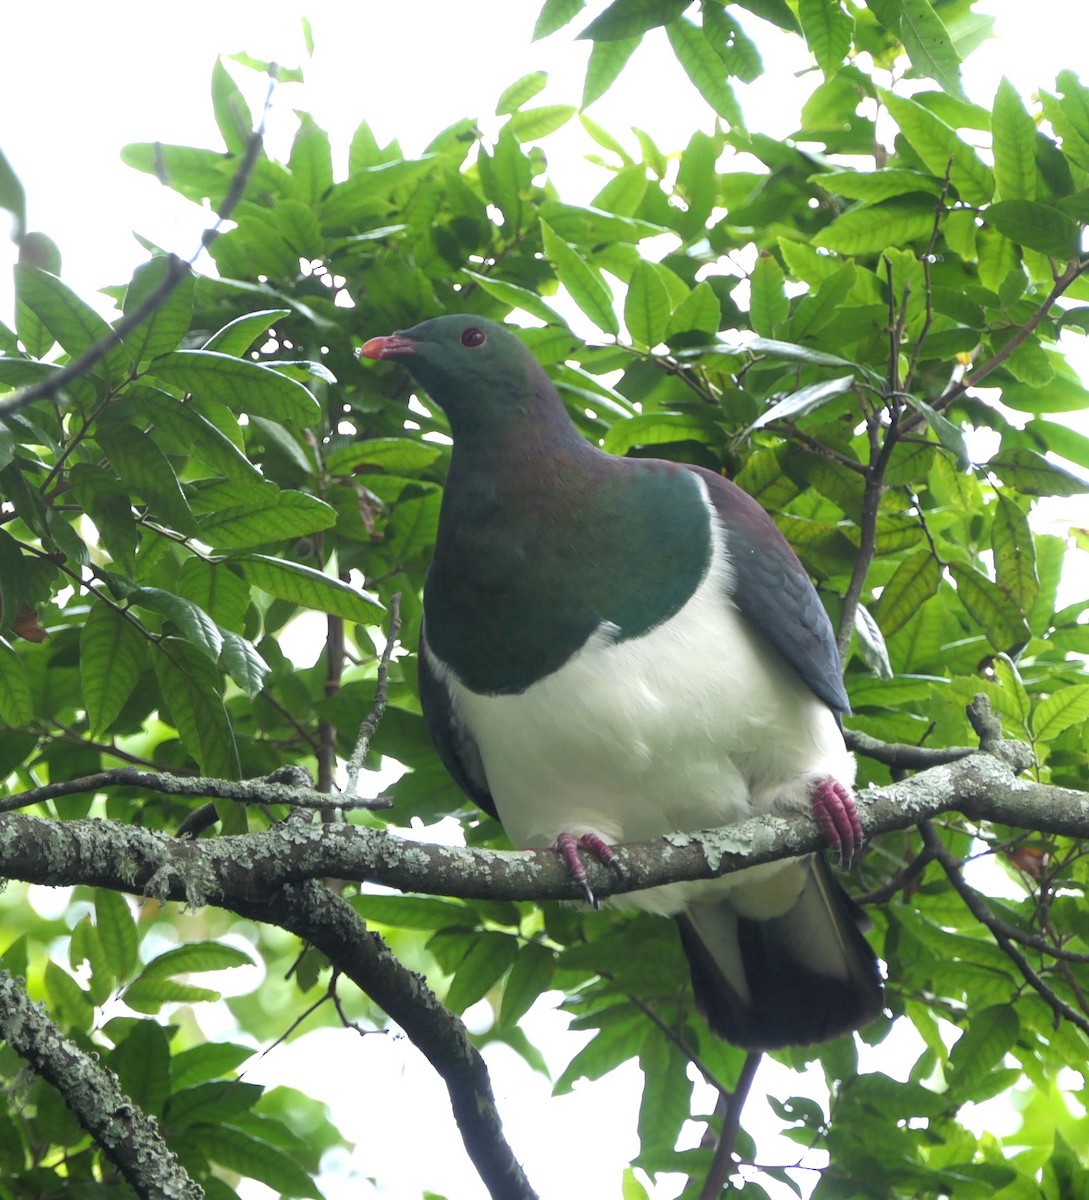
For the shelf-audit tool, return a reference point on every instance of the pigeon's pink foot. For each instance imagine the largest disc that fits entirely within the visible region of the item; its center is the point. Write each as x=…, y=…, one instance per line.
x=568, y=847
x=834, y=809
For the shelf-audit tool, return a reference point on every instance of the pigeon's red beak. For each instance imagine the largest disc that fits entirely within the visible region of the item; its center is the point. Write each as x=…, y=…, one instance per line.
x=392, y=346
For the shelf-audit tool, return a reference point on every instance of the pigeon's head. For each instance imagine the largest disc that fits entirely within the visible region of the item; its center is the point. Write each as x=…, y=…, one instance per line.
x=478, y=372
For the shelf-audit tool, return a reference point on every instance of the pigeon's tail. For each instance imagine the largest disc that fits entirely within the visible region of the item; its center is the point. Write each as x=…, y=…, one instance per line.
x=795, y=979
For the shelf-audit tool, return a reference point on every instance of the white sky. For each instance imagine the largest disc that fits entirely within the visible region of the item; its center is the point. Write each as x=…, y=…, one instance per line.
x=78, y=81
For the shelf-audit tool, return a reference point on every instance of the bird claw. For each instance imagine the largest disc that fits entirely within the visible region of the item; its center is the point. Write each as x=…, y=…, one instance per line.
x=568, y=847
x=834, y=808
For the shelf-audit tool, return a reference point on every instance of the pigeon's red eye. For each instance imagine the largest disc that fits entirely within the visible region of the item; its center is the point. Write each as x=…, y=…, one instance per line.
x=473, y=337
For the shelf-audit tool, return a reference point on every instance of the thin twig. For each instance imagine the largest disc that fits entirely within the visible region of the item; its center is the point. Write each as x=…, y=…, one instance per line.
x=177, y=270
x=898, y=882
x=381, y=699
x=867, y=542
x=981, y=910
x=723, y=1161
x=269, y=790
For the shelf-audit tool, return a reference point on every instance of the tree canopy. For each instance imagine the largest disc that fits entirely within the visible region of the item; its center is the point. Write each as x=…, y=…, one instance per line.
x=862, y=324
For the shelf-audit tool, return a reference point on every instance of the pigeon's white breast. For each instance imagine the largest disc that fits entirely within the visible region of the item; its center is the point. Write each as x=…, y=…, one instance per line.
x=693, y=724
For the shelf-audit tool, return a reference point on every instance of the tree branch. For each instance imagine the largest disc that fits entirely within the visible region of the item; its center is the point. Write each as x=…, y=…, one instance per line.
x=903, y=755
x=130, y=1139
x=253, y=866
x=723, y=1159
x=318, y=915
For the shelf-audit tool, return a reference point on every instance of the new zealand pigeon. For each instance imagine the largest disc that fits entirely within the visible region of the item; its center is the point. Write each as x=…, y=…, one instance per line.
x=615, y=649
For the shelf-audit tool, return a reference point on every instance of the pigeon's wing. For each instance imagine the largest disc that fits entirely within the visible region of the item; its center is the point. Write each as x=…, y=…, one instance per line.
x=773, y=592
x=455, y=745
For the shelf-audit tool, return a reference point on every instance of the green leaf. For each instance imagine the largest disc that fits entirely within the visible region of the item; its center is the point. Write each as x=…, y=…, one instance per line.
x=116, y=931
x=220, y=591
x=520, y=91
x=411, y=912
x=870, y=230
x=149, y=995
x=74, y=324
x=198, y=628
x=16, y=702
x=196, y=956
x=631, y=18
x=990, y=1035
x=1014, y=554
x=991, y=608
x=506, y=175
x=1037, y=226
x=245, y=525
x=193, y=433
x=871, y=643
x=530, y=976
x=241, y=385
x=531, y=124
x=107, y=503
x=145, y=470
x=792, y=352
x=653, y=429
x=309, y=589
x=112, y=655
x=163, y=329
x=1067, y=443
x=12, y=198
x=555, y=14
x=1062, y=709
x=515, y=296
x=310, y=163
x=929, y=45
x=828, y=31
x=478, y=972
x=948, y=434
x=237, y=336
x=728, y=40
x=704, y=68
x=877, y=186
x=85, y=946
x=399, y=456
x=1061, y=395
x=913, y=583
x=647, y=308
x=242, y=662
x=698, y=312
x=370, y=189
x=209, y=1060
x=71, y=1005
x=1032, y=475
x=232, y=113
x=804, y=400
x=141, y=1061
x=191, y=690
x=938, y=145
x=587, y=288
x=1013, y=138
x=1009, y=679
x=616, y=1041
x=607, y=60
x=243, y=1154
x=768, y=303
